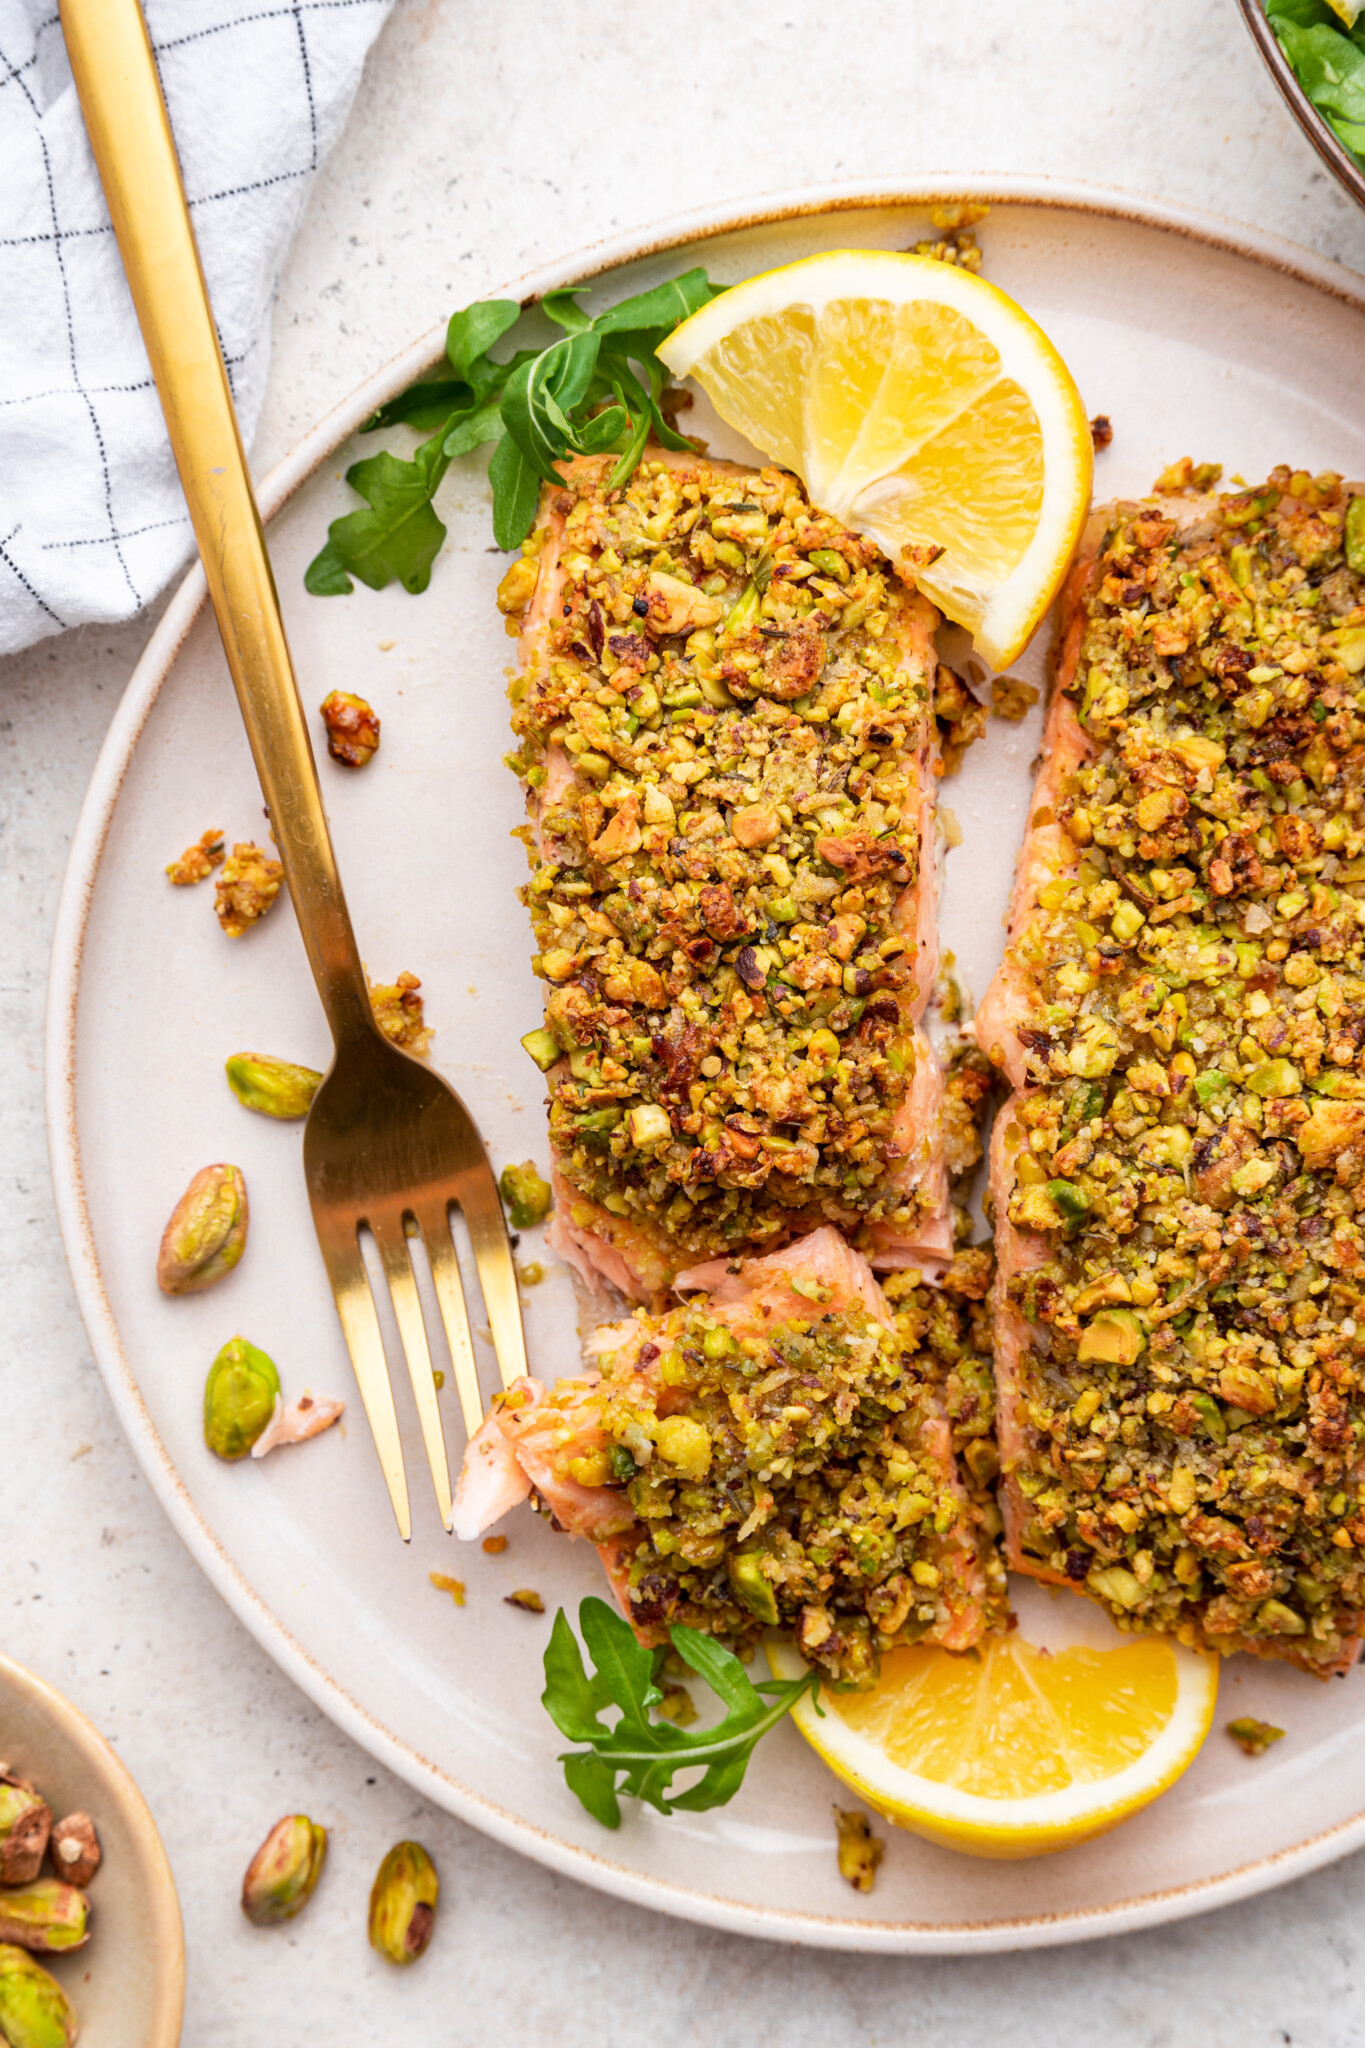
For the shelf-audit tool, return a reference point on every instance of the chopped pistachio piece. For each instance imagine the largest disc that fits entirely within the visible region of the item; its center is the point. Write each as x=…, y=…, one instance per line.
x=1254, y=1737
x=246, y=888
x=398, y=1011
x=352, y=728
x=197, y=862
x=525, y=1195
x=860, y=1851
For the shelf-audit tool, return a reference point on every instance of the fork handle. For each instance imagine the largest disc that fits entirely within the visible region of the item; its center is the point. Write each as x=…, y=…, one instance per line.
x=120, y=94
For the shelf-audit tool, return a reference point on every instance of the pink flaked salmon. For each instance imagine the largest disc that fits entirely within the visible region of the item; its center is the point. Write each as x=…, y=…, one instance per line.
x=725, y=725
x=773, y=1452
x=1181, y=1014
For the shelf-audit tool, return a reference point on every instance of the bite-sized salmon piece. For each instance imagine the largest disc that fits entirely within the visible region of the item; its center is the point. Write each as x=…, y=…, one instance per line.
x=773, y=1452
x=1177, y=1177
x=725, y=717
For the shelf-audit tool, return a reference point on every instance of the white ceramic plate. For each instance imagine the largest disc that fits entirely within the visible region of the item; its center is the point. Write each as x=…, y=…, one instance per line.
x=1196, y=338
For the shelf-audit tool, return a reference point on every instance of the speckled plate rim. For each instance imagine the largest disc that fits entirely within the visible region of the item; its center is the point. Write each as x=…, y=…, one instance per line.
x=165, y=2018
x=1149, y=1909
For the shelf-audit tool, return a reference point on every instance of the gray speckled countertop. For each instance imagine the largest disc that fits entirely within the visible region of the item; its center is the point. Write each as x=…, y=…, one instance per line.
x=490, y=134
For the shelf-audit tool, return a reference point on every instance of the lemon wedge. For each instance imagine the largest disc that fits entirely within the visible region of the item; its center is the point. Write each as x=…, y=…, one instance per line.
x=1010, y=1750
x=921, y=407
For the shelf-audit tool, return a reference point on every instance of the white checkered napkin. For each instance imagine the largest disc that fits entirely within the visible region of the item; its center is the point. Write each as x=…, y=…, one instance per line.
x=92, y=523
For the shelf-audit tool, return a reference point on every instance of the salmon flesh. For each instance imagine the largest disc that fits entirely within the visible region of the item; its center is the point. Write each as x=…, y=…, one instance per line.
x=779, y=1450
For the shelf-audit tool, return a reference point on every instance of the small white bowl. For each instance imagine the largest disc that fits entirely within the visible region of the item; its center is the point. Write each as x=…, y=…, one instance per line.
x=127, y=1984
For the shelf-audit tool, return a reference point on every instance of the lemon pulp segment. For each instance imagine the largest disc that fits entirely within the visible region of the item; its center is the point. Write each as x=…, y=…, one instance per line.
x=1008, y=1750
x=920, y=406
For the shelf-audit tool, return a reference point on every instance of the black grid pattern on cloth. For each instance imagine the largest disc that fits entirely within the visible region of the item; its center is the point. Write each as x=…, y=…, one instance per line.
x=92, y=524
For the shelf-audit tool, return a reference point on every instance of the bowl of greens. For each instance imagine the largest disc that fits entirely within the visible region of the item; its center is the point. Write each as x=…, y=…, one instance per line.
x=1315, y=50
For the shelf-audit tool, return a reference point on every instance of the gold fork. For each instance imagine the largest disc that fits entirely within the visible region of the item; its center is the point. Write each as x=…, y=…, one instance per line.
x=388, y=1145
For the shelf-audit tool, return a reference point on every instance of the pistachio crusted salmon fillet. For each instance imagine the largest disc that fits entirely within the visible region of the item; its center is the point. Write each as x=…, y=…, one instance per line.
x=1181, y=1013
x=725, y=717
x=776, y=1453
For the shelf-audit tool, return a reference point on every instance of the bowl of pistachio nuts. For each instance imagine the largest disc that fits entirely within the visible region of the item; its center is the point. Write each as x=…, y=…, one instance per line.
x=91, y=1944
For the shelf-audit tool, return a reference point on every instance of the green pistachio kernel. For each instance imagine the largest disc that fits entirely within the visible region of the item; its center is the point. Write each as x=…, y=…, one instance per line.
x=1114, y=1336
x=543, y=1047
x=403, y=1903
x=1275, y=1079
x=1211, y=1415
x=281, y=1876
x=239, y=1398
x=206, y=1235
x=1355, y=536
x=1071, y=1200
x=526, y=1197
x=1117, y=1585
x=34, y=2010
x=47, y=1916
x=272, y=1087
x=746, y=1576
x=1254, y=1737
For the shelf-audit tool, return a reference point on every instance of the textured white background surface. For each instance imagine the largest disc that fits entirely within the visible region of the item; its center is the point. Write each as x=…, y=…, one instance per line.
x=490, y=134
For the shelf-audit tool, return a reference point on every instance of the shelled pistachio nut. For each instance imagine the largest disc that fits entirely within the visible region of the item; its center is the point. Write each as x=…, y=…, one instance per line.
x=403, y=1903
x=281, y=1875
x=25, y=1820
x=207, y=1232
x=34, y=2010
x=239, y=1398
x=272, y=1087
x=75, y=1849
x=47, y=1916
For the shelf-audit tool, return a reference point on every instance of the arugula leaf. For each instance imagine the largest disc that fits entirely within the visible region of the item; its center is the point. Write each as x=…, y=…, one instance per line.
x=399, y=536
x=423, y=406
x=1329, y=62
x=639, y=1756
x=596, y=390
x=664, y=308
x=472, y=332
x=516, y=493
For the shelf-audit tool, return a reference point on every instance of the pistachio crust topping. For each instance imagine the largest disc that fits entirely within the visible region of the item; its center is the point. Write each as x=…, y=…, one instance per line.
x=724, y=721
x=797, y=1479
x=1184, y=1168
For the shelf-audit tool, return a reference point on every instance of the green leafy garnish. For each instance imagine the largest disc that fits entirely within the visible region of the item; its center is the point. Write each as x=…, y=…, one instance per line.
x=596, y=390
x=637, y=1755
x=1328, y=59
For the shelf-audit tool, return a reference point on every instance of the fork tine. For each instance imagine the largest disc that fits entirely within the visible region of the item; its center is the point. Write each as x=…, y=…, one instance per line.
x=445, y=1271
x=412, y=1330
x=497, y=1274
x=360, y=1326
